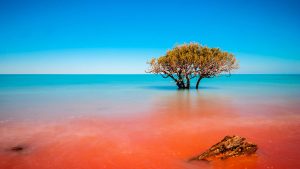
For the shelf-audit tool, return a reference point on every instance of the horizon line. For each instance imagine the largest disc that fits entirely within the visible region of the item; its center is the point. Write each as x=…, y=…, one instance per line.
x=136, y=74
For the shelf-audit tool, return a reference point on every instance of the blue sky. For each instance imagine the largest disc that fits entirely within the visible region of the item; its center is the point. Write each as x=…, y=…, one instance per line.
x=115, y=36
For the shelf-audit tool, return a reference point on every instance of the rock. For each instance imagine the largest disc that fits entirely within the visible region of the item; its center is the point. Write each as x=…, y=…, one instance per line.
x=17, y=148
x=230, y=146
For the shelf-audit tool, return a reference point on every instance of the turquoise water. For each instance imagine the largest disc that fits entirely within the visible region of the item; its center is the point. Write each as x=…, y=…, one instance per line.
x=144, y=121
x=57, y=96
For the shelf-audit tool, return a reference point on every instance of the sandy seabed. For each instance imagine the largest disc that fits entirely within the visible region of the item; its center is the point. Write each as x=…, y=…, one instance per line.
x=163, y=138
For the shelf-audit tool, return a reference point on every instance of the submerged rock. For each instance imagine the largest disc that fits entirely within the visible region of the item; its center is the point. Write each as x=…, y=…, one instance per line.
x=18, y=148
x=230, y=146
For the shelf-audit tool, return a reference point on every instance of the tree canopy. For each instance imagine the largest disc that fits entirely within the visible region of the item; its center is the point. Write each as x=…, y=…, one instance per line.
x=188, y=61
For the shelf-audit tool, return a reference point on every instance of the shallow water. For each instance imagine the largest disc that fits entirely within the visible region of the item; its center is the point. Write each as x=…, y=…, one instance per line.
x=142, y=121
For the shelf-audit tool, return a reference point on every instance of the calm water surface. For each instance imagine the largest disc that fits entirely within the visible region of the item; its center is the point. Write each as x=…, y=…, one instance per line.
x=143, y=121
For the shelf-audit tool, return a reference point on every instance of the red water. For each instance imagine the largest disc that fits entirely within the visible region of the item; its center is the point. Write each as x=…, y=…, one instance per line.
x=165, y=137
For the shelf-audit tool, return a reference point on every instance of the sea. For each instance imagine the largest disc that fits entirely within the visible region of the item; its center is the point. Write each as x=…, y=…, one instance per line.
x=120, y=121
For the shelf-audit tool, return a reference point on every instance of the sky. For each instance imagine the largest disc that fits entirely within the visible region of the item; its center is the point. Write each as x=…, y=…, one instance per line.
x=119, y=36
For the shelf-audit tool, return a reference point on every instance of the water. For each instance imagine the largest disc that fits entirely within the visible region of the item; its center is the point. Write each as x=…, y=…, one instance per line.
x=47, y=96
x=143, y=121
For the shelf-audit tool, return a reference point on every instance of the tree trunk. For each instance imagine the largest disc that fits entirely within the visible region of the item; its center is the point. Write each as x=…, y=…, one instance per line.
x=187, y=82
x=198, y=82
x=180, y=82
x=181, y=85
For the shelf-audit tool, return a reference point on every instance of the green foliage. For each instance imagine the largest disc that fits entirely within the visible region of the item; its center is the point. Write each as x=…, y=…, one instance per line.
x=188, y=61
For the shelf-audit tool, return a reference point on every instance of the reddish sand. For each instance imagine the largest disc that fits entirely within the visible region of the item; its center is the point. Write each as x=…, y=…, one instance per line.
x=164, y=138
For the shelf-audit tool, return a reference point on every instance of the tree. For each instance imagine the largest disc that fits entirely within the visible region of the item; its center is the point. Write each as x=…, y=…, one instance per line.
x=212, y=62
x=188, y=61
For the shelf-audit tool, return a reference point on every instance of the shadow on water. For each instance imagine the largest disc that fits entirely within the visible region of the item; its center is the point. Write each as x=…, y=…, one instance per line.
x=174, y=88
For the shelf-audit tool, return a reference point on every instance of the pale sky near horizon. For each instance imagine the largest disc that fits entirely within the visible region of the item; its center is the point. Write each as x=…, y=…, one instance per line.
x=117, y=36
